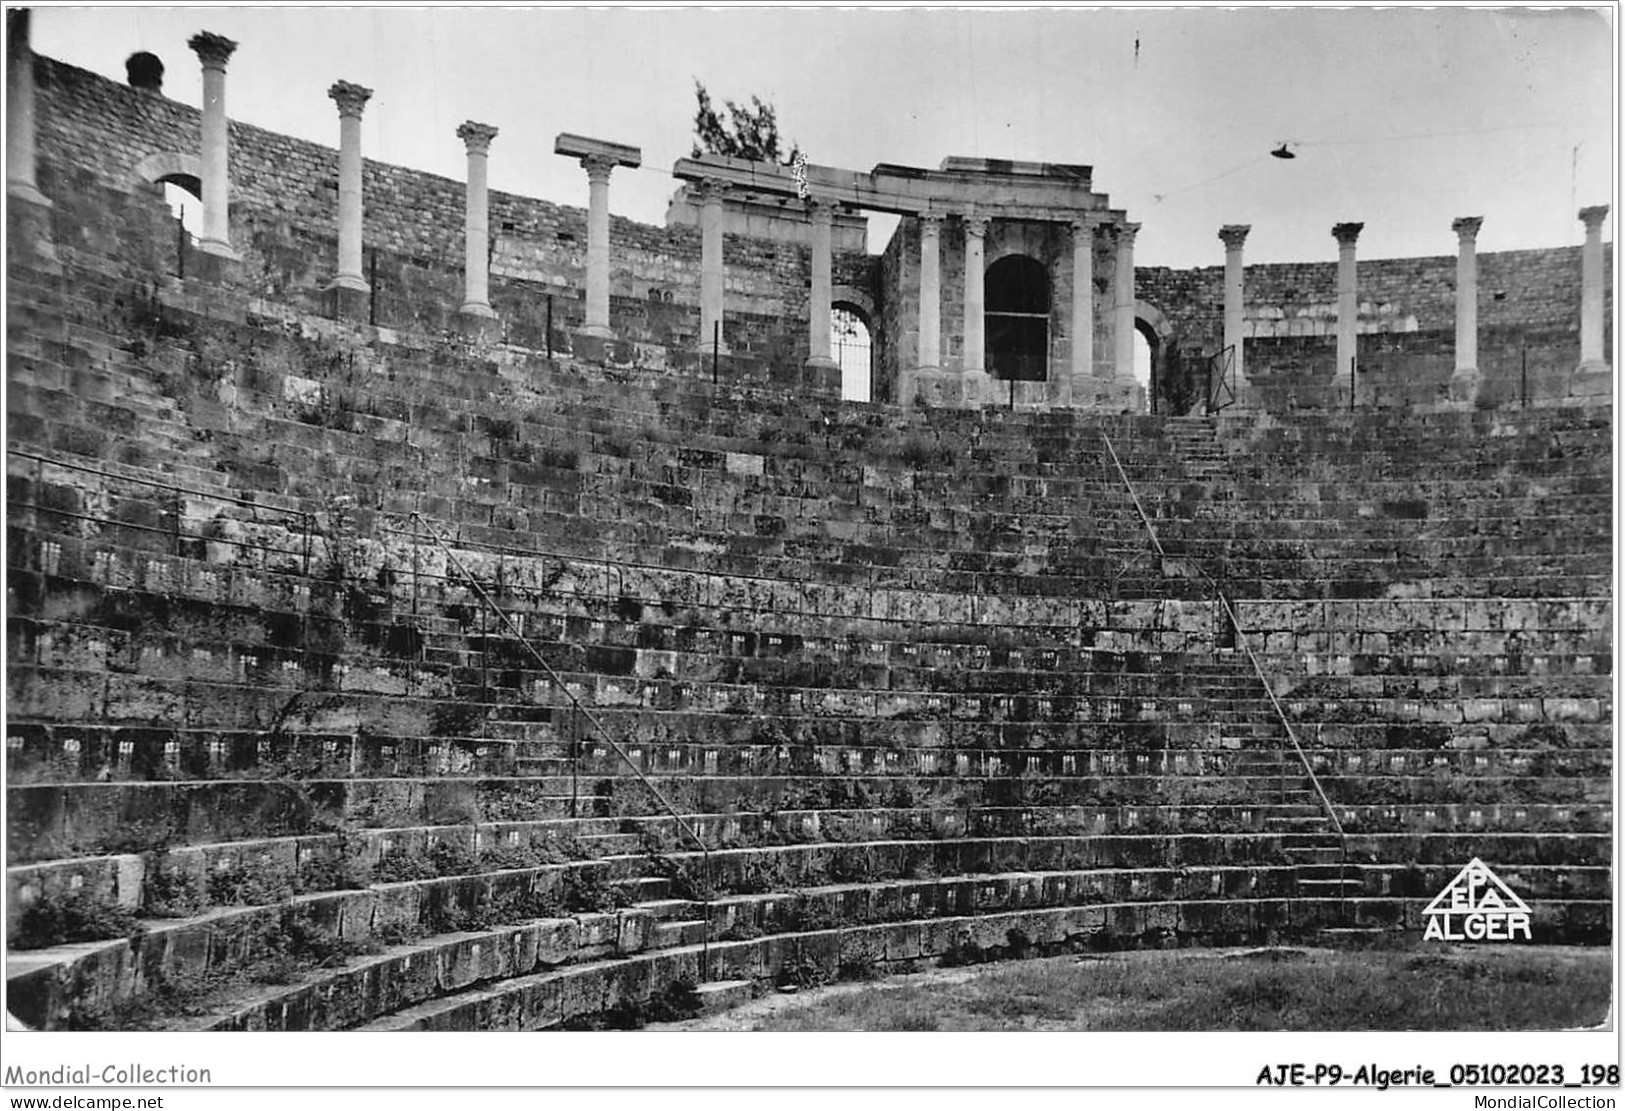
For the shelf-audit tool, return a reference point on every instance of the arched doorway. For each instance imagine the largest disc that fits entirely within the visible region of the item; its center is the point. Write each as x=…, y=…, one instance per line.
x=1016, y=296
x=852, y=345
x=1154, y=358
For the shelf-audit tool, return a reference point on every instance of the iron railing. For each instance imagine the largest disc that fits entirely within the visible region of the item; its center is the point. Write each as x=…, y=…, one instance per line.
x=598, y=726
x=1241, y=636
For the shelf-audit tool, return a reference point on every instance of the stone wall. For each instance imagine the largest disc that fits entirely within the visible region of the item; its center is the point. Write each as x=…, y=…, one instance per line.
x=1528, y=316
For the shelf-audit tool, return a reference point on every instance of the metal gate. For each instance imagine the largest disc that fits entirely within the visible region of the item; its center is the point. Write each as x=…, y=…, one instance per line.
x=1221, y=380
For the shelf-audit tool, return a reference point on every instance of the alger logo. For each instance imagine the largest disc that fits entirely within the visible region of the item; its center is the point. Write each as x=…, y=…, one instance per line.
x=1477, y=906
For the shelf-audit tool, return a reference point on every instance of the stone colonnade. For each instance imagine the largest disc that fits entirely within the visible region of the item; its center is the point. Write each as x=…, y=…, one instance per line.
x=599, y=158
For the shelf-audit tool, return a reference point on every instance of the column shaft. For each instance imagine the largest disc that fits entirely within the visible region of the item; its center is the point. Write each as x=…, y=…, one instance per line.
x=975, y=322
x=351, y=99
x=477, y=221
x=711, y=268
x=930, y=354
x=1466, y=230
x=20, y=177
x=1083, y=307
x=1123, y=363
x=1591, y=292
x=598, y=170
x=1348, y=302
x=1235, y=299
x=213, y=51
x=820, y=301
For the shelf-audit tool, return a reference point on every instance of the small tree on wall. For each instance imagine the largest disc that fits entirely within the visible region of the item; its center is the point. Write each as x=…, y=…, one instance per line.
x=751, y=133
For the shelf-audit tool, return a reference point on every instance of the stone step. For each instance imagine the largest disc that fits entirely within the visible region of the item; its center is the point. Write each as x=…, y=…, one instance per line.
x=1308, y=856
x=677, y=932
x=1326, y=882
x=646, y=888
x=1282, y=822
x=665, y=910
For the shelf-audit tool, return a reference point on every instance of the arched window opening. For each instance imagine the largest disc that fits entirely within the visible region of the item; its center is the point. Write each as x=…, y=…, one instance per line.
x=184, y=195
x=1016, y=292
x=854, y=351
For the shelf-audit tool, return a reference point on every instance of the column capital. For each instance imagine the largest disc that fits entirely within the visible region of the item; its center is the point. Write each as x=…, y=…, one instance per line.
x=477, y=136
x=1082, y=223
x=930, y=222
x=708, y=190
x=1593, y=216
x=975, y=225
x=598, y=168
x=1234, y=235
x=1125, y=232
x=212, y=50
x=1467, y=226
x=1346, y=234
x=350, y=98
x=820, y=210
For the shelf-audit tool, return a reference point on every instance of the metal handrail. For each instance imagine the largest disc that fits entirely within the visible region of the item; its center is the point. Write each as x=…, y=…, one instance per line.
x=1291, y=733
x=593, y=719
x=1258, y=669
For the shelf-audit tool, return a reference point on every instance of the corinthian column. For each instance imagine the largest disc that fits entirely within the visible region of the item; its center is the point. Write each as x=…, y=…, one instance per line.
x=1123, y=364
x=1464, y=379
x=1348, y=301
x=599, y=157
x=477, y=138
x=1591, y=299
x=1233, y=236
x=819, y=303
x=930, y=354
x=214, y=51
x=1083, y=307
x=351, y=99
x=975, y=384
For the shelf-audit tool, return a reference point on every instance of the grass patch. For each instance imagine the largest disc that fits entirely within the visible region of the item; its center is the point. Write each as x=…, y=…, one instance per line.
x=1449, y=988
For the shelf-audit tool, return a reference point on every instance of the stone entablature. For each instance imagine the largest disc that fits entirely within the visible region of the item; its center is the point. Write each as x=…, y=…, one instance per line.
x=767, y=217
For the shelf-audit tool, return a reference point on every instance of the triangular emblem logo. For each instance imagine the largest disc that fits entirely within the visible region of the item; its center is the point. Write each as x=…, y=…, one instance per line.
x=1477, y=906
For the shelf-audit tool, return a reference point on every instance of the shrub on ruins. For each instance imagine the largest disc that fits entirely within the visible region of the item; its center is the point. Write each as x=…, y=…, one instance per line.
x=79, y=916
x=339, y=868
x=169, y=891
x=301, y=944
x=238, y=884
x=401, y=864
x=587, y=892
x=748, y=132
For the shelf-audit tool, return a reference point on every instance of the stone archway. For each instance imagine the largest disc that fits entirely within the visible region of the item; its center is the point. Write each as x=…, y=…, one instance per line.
x=852, y=342
x=1158, y=332
x=170, y=168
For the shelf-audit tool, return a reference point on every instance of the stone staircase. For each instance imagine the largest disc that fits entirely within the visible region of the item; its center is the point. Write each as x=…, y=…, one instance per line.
x=1196, y=443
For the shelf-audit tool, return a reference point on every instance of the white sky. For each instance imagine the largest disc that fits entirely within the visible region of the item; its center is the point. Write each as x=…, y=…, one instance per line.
x=1407, y=117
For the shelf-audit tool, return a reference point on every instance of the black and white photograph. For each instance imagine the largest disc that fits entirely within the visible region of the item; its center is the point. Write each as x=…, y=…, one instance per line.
x=685, y=522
